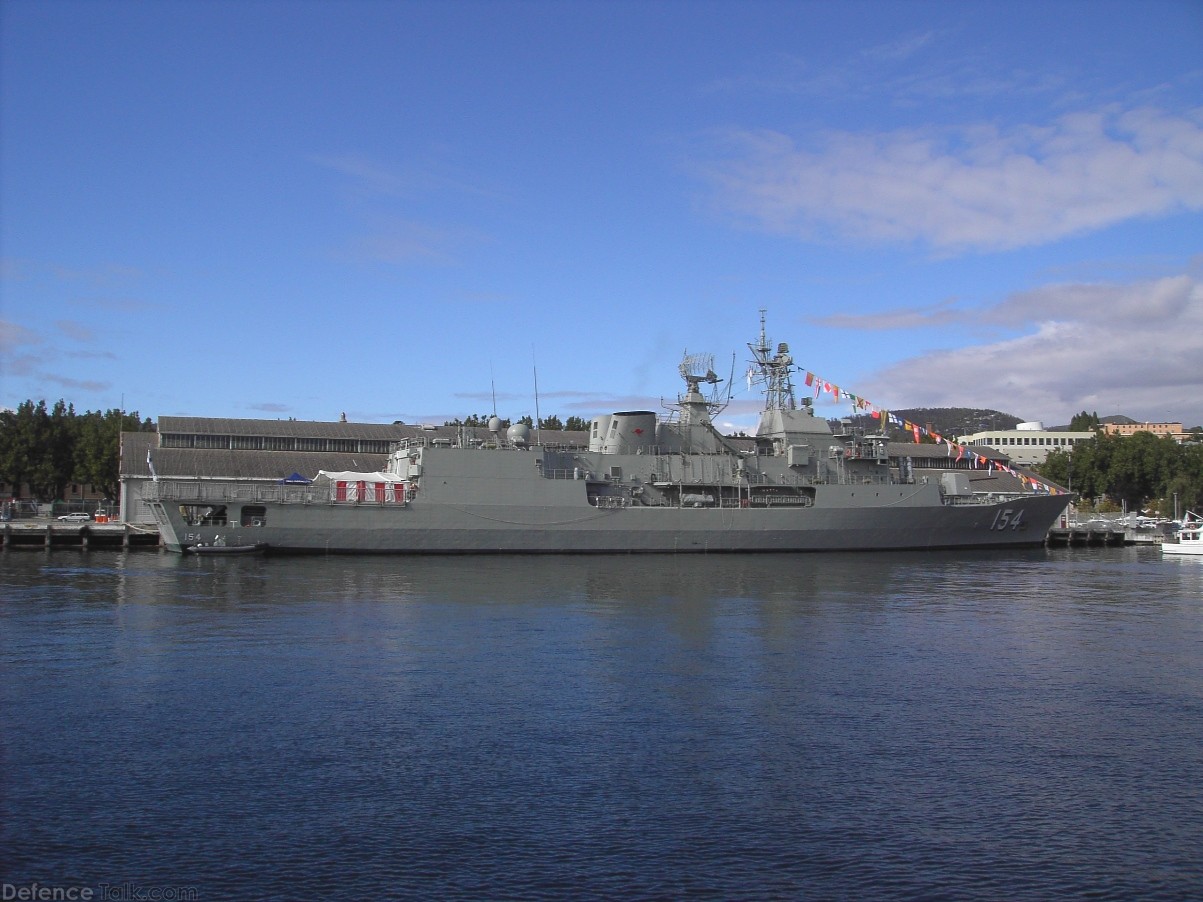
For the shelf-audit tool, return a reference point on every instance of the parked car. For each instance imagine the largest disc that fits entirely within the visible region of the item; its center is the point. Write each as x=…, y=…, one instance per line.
x=76, y=518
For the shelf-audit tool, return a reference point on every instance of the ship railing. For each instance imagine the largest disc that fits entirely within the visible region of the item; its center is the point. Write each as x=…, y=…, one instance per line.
x=987, y=498
x=205, y=490
x=611, y=501
x=229, y=492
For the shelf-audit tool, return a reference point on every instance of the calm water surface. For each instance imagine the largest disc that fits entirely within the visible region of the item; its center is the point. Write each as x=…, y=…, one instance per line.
x=986, y=725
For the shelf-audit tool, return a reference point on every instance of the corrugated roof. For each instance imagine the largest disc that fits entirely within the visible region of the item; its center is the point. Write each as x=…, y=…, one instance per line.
x=317, y=429
x=290, y=428
x=192, y=462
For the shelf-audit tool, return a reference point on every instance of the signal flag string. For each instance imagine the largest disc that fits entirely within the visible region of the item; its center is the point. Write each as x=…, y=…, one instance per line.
x=821, y=385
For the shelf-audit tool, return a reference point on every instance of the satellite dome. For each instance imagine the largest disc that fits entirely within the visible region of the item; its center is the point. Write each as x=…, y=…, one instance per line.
x=518, y=435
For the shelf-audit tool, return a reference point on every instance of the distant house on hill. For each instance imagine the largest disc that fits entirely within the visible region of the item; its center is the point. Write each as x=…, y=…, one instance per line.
x=1164, y=430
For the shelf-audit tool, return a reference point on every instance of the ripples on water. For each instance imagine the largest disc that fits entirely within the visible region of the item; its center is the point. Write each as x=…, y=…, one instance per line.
x=977, y=726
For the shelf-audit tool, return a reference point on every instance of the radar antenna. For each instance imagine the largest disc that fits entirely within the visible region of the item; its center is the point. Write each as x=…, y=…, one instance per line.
x=774, y=371
x=697, y=369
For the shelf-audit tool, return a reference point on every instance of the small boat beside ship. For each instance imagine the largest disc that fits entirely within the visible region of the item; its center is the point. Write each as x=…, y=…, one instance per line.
x=219, y=546
x=644, y=483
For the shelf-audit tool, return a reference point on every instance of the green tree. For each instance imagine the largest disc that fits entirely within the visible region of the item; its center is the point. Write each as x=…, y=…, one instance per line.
x=552, y=422
x=61, y=453
x=36, y=448
x=576, y=424
x=46, y=449
x=98, y=447
x=1139, y=467
x=1084, y=422
x=1058, y=467
x=18, y=441
x=1139, y=471
x=1187, y=482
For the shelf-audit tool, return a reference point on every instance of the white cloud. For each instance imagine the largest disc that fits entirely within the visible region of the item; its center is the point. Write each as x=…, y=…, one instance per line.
x=1133, y=349
x=966, y=188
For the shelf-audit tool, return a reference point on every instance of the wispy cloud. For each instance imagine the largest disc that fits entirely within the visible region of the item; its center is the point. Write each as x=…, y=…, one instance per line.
x=393, y=202
x=369, y=177
x=395, y=240
x=27, y=354
x=14, y=336
x=953, y=190
x=114, y=304
x=901, y=49
x=67, y=382
x=942, y=314
x=915, y=68
x=76, y=330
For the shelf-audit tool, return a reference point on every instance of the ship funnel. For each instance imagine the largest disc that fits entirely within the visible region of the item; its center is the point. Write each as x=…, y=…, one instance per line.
x=630, y=432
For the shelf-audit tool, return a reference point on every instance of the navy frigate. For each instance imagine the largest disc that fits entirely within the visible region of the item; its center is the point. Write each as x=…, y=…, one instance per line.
x=644, y=483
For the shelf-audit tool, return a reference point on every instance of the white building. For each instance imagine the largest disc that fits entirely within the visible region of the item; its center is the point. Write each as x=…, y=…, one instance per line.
x=1027, y=444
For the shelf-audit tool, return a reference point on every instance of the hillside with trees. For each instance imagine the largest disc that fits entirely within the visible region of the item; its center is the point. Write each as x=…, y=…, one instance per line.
x=946, y=421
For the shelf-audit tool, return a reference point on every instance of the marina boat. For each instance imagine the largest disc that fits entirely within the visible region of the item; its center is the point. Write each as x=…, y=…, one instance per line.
x=1189, y=540
x=644, y=483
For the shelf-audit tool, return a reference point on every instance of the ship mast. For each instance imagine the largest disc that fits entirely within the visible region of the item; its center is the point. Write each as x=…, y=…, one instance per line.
x=773, y=371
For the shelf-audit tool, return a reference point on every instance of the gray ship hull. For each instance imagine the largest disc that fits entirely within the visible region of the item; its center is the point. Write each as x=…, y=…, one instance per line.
x=897, y=517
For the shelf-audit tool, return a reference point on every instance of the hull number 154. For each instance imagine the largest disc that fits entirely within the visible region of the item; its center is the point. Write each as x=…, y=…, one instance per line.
x=1007, y=518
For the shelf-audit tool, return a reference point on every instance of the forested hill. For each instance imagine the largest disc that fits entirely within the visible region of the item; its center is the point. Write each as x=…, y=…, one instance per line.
x=948, y=421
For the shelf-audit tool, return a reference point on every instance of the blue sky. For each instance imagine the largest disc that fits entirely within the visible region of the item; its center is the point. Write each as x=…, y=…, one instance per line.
x=394, y=210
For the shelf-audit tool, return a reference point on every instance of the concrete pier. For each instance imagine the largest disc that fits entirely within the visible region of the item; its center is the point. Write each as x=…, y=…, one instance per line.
x=40, y=535
x=1085, y=535
x=1096, y=533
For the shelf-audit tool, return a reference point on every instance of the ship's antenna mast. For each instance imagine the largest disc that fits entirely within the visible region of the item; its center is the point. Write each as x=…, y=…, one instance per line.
x=535, y=371
x=774, y=371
